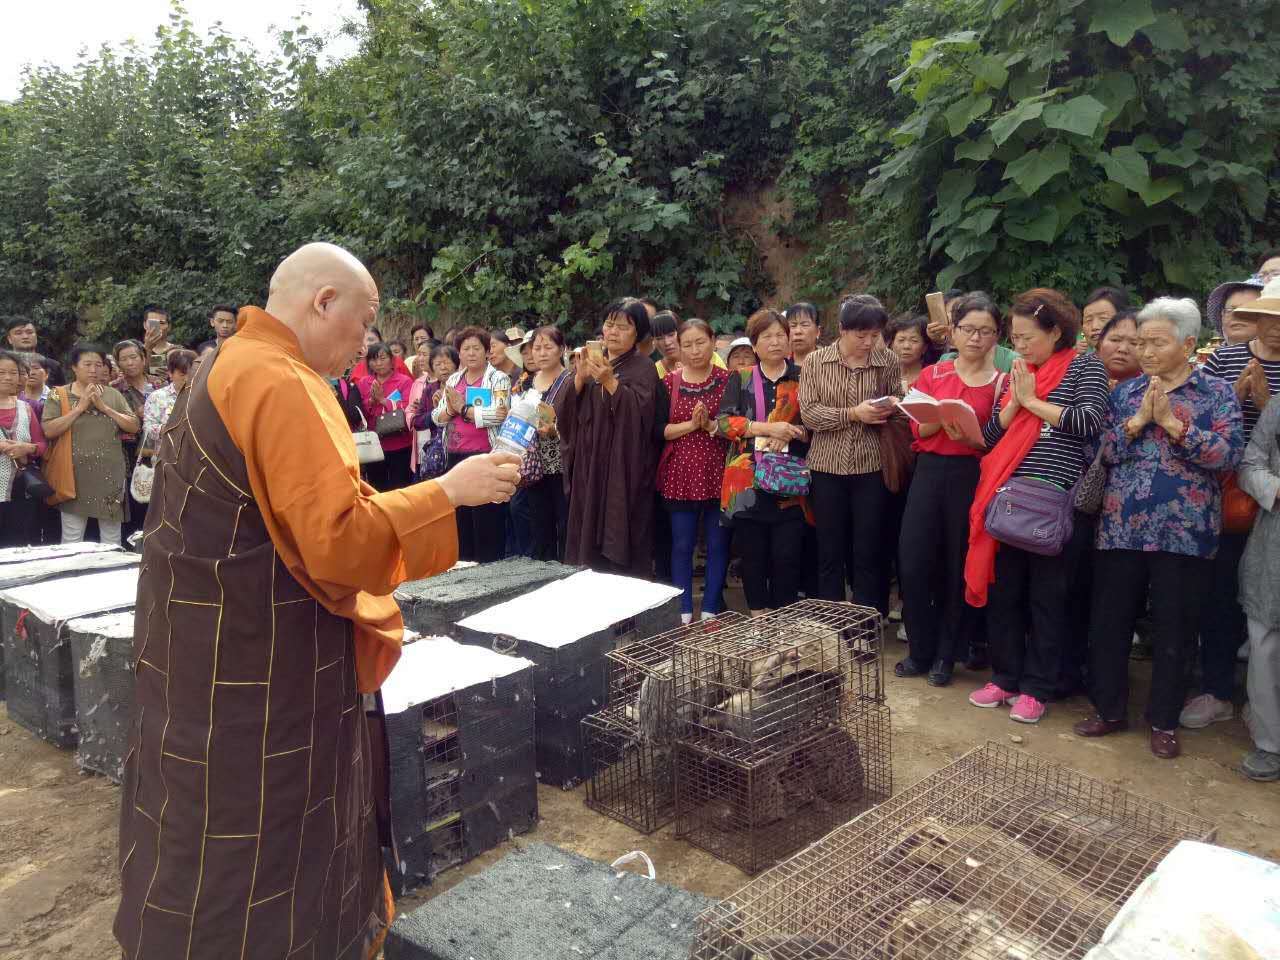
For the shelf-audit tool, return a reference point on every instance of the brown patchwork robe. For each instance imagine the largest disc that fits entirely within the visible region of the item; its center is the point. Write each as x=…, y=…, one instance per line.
x=248, y=824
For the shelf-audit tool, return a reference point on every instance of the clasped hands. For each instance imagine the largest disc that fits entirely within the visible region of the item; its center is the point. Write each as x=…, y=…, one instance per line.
x=1155, y=408
x=1252, y=384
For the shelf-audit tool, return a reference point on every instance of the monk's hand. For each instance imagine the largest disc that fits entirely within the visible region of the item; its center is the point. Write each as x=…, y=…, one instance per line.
x=476, y=481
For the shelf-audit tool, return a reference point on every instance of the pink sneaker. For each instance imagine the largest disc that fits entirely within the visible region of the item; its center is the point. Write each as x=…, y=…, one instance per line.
x=991, y=696
x=1027, y=710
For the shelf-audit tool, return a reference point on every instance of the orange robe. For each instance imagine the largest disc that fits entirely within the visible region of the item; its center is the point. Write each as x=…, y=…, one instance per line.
x=348, y=545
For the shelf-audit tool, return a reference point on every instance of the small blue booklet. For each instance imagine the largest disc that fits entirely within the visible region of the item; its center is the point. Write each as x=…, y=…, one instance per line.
x=479, y=397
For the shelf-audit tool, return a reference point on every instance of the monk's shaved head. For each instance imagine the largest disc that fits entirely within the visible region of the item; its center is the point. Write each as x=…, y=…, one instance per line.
x=327, y=297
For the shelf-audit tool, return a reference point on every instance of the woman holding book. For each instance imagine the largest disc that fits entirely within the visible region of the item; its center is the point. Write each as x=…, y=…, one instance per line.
x=935, y=526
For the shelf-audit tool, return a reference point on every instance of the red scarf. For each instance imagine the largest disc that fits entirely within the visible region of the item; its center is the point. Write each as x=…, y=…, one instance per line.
x=997, y=467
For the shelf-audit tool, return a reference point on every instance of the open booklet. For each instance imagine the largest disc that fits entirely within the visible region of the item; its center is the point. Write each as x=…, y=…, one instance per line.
x=924, y=409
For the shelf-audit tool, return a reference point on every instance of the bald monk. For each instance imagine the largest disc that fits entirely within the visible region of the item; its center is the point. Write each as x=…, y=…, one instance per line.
x=254, y=797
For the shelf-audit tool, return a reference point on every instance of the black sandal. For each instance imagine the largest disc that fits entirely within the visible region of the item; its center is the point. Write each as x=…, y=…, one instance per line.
x=940, y=673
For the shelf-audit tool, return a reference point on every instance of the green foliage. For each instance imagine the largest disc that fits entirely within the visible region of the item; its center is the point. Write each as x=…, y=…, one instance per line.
x=495, y=159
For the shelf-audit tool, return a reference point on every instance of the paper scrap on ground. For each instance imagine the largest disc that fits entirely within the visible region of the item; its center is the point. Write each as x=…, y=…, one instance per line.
x=433, y=666
x=570, y=609
x=71, y=597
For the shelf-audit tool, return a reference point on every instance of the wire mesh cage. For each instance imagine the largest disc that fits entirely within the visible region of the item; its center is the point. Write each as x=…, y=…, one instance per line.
x=753, y=814
x=998, y=856
x=640, y=675
x=630, y=777
x=747, y=691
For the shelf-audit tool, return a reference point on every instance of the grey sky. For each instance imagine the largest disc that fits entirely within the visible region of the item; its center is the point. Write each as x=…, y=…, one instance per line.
x=55, y=30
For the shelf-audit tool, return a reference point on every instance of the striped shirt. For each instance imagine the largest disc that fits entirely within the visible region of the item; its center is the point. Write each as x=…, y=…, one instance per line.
x=1059, y=455
x=1228, y=363
x=829, y=389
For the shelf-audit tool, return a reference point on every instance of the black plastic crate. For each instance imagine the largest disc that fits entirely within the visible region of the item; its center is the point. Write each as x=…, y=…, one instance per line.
x=23, y=565
x=102, y=674
x=431, y=607
x=460, y=730
x=38, y=663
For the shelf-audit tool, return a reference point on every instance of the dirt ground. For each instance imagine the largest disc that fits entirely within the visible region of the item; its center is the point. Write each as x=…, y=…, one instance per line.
x=58, y=827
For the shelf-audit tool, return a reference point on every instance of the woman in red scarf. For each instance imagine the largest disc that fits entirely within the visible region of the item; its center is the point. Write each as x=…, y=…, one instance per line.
x=1052, y=406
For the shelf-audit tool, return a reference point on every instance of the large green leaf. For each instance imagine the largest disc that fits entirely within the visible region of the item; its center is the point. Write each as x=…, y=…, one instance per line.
x=1035, y=168
x=955, y=187
x=964, y=111
x=1042, y=228
x=1116, y=90
x=980, y=149
x=1167, y=32
x=1079, y=115
x=1161, y=189
x=967, y=243
x=991, y=71
x=980, y=222
x=1121, y=19
x=1004, y=126
x=1127, y=167
x=948, y=276
x=1180, y=156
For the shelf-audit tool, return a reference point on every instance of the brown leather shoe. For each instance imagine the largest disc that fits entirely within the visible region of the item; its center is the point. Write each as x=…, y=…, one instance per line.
x=1097, y=727
x=1164, y=744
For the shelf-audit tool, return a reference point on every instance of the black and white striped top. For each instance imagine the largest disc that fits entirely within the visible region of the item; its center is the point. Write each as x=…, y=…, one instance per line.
x=1228, y=362
x=1059, y=454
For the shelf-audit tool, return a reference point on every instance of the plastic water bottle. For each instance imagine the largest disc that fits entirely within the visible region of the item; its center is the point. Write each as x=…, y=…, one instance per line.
x=519, y=432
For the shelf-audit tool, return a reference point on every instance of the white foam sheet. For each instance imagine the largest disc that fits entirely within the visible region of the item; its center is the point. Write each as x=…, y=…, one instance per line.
x=115, y=625
x=72, y=597
x=567, y=610
x=49, y=551
x=435, y=666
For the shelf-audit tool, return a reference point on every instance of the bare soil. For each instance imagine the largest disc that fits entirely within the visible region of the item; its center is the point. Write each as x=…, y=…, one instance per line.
x=58, y=826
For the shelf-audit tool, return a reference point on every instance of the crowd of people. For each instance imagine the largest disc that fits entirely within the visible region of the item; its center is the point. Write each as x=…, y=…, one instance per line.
x=1054, y=489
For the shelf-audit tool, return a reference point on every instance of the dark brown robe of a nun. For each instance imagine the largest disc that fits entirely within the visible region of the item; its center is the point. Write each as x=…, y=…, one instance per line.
x=609, y=456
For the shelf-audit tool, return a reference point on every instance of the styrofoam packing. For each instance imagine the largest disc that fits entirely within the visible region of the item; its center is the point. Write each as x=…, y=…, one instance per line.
x=434, y=666
x=52, y=550
x=72, y=597
x=117, y=626
x=33, y=570
x=567, y=610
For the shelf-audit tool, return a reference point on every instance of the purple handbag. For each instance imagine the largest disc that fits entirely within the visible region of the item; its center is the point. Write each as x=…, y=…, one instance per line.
x=1032, y=515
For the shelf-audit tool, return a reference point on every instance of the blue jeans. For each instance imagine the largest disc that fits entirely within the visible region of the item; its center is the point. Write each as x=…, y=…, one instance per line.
x=684, y=539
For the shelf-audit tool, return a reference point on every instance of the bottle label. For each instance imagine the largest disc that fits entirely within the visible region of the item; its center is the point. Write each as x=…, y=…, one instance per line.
x=518, y=433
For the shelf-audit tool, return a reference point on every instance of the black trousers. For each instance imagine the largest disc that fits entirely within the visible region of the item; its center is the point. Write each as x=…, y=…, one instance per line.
x=931, y=554
x=482, y=531
x=392, y=473
x=1122, y=579
x=771, y=552
x=548, y=517
x=850, y=513
x=1222, y=622
x=1079, y=556
x=661, y=541
x=1027, y=621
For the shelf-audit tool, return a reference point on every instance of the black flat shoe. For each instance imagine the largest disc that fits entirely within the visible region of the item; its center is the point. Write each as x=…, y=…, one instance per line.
x=940, y=674
x=907, y=668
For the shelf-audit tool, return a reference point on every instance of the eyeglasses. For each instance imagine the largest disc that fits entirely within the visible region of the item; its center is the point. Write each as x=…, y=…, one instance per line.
x=975, y=333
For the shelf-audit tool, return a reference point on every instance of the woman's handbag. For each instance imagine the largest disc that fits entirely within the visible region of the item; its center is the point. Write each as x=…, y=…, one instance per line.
x=141, y=482
x=781, y=474
x=435, y=456
x=368, y=444
x=391, y=423
x=1239, y=510
x=58, y=466
x=1089, y=490
x=897, y=459
x=28, y=481
x=1032, y=515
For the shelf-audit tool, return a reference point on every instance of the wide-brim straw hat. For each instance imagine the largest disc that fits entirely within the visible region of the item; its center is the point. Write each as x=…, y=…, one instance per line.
x=1266, y=306
x=1218, y=299
x=518, y=343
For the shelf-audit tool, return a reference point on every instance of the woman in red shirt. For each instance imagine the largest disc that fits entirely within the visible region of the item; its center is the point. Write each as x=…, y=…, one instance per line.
x=386, y=390
x=691, y=470
x=935, y=526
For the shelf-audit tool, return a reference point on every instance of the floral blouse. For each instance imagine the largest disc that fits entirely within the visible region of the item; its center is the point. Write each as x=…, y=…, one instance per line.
x=738, y=495
x=1163, y=496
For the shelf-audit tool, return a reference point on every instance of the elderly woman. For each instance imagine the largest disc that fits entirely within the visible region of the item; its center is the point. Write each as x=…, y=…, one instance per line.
x=907, y=336
x=441, y=362
x=1260, y=590
x=1170, y=435
x=1052, y=405
x=471, y=430
x=848, y=392
x=180, y=365
x=94, y=416
x=768, y=528
x=21, y=443
x=135, y=385
x=606, y=422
